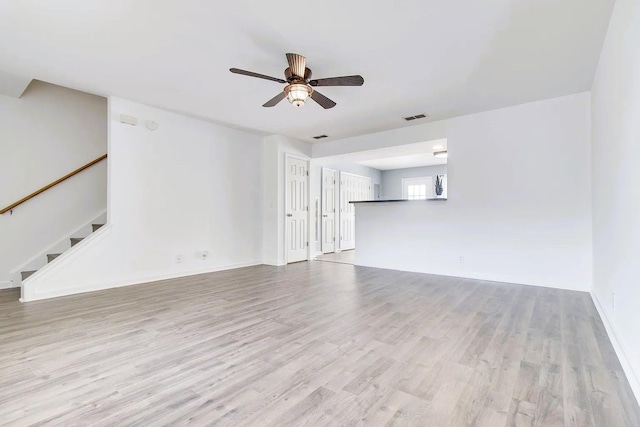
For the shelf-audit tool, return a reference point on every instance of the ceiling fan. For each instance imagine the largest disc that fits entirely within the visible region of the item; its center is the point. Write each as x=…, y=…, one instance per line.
x=299, y=85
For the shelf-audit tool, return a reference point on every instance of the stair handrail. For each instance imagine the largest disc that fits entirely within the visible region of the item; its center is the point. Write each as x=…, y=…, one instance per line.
x=53, y=184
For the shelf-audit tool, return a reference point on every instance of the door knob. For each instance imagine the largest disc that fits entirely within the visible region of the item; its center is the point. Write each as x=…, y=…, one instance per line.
x=324, y=216
x=289, y=214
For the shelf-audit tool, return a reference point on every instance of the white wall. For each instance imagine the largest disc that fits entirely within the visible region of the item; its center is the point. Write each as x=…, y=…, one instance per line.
x=353, y=168
x=521, y=209
x=189, y=186
x=408, y=135
x=392, y=179
x=47, y=133
x=275, y=149
x=615, y=102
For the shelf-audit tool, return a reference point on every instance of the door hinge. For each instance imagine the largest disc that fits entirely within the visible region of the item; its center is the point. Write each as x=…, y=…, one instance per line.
x=307, y=173
x=307, y=244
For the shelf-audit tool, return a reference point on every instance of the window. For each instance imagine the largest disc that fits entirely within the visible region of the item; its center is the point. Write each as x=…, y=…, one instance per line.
x=417, y=188
x=416, y=191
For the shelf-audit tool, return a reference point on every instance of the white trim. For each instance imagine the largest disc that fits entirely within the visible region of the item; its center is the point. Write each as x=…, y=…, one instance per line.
x=148, y=278
x=39, y=261
x=62, y=260
x=341, y=174
x=494, y=277
x=7, y=284
x=427, y=181
x=336, y=210
x=64, y=257
x=297, y=156
x=632, y=376
x=288, y=156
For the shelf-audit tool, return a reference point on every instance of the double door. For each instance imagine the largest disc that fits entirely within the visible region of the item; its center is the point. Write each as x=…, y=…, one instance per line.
x=338, y=189
x=352, y=188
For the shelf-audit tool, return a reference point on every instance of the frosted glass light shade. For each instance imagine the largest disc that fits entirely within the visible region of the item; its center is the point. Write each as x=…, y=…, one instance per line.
x=297, y=93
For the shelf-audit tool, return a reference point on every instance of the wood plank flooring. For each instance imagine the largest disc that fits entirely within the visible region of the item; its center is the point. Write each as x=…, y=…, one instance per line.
x=311, y=344
x=344, y=257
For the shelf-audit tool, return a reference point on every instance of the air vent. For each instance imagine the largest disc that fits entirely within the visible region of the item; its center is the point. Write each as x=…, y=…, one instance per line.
x=320, y=136
x=417, y=116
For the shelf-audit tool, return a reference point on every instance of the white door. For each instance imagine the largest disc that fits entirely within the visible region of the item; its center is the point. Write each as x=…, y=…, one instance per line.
x=328, y=210
x=352, y=188
x=297, y=209
x=347, y=211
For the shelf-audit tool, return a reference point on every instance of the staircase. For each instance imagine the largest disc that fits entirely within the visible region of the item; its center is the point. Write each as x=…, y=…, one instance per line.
x=54, y=251
x=51, y=257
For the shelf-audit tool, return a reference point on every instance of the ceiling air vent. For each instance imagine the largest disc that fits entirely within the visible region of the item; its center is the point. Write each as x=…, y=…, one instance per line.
x=417, y=116
x=320, y=136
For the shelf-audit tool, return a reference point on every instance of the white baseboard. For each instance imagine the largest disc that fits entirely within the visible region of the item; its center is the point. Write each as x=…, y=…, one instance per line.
x=633, y=376
x=148, y=278
x=7, y=284
x=502, y=278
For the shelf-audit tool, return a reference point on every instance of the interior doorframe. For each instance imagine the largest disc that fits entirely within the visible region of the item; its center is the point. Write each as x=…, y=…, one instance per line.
x=336, y=210
x=288, y=156
x=339, y=247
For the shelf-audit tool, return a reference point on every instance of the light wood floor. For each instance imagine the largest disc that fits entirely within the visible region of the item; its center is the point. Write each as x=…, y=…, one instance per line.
x=311, y=344
x=344, y=257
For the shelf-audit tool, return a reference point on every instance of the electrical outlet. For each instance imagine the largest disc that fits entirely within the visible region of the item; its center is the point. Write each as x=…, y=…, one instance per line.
x=461, y=259
x=178, y=259
x=204, y=255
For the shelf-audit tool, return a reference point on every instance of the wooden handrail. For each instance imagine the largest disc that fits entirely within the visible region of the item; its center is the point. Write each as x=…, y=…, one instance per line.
x=54, y=183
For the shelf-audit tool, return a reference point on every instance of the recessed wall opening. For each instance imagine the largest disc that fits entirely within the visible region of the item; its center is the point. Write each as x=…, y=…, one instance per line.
x=416, y=171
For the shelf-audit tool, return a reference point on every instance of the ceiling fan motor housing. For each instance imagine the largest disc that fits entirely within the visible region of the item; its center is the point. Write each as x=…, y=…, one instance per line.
x=288, y=74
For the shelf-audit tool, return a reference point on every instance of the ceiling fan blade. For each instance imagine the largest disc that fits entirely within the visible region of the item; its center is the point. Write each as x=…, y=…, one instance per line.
x=252, y=74
x=324, y=102
x=339, y=81
x=297, y=64
x=273, y=101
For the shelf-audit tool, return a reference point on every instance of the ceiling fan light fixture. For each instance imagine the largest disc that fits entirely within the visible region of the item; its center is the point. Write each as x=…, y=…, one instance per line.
x=442, y=154
x=299, y=86
x=297, y=93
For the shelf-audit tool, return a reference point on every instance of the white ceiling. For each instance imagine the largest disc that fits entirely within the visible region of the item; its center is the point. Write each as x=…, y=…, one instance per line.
x=397, y=157
x=443, y=58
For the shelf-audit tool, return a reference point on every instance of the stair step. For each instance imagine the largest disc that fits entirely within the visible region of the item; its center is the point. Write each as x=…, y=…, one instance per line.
x=76, y=240
x=51, y=257
x=96, y=226
x=26, y=274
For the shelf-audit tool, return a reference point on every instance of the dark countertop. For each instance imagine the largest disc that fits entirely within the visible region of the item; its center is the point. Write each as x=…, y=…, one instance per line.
x=399, y=200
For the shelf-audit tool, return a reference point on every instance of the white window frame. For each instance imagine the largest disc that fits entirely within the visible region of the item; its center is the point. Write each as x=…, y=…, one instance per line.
x=427, y=181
